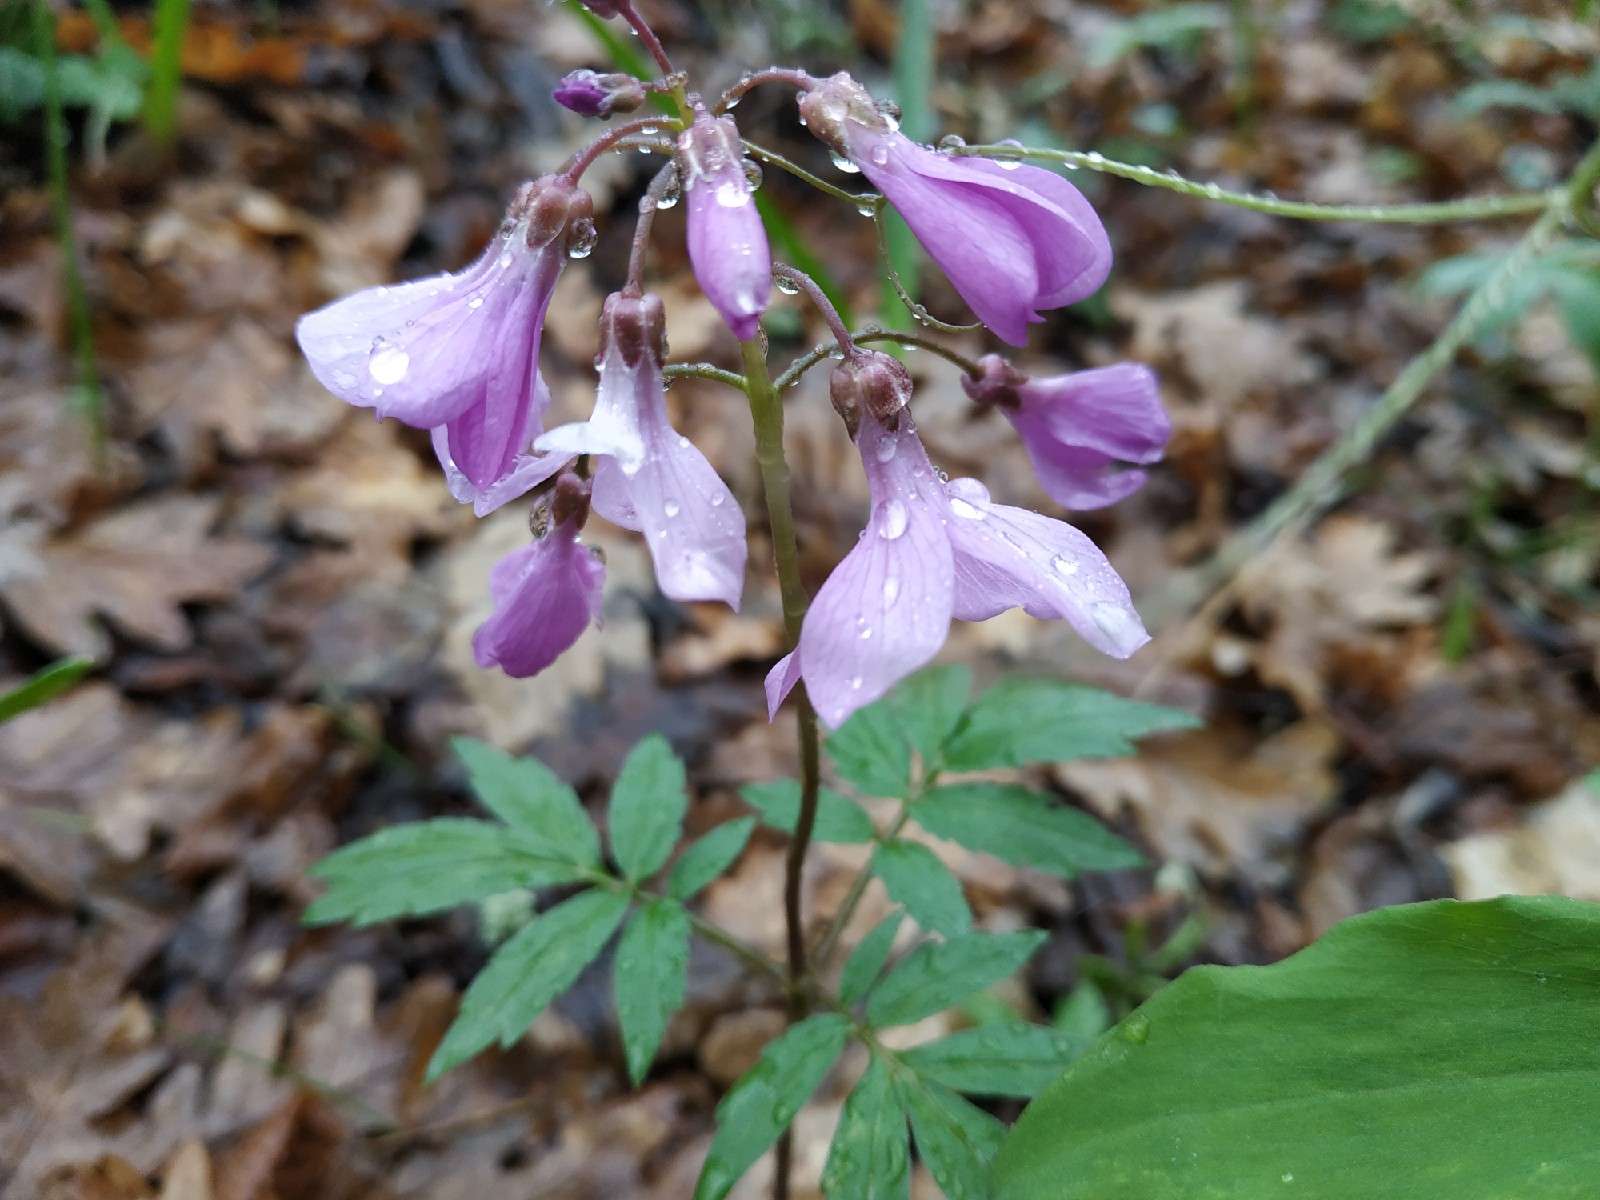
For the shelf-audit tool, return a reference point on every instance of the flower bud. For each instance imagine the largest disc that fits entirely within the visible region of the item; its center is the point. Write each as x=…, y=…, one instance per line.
x=553, y=207
x=636, y=326
x=569, y=502
x=590, y=94
x=826, y=107
x=870, y=381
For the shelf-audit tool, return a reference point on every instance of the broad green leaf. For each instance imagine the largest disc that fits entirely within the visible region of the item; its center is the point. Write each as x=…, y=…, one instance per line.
x=652, y=963
x=708, y=856
x=528, y=972
x=766, y=1098
x=1005, y=1059
x=916, y=878
x=870, y=750
x=1021, y=721
x=938, y=974
x=1023, y=828
x=930, y=704
x=870, y=1155
x=44, y=684
x=865, y=964
x=424, y=866
x=956, y=1140
x=525, y=794
x=839, y=819
x=1428, y=1050
x=1083, y=1013
x=648, y=801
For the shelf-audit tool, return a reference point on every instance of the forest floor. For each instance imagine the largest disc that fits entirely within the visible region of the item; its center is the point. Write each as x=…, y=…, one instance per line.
x=1401, y=703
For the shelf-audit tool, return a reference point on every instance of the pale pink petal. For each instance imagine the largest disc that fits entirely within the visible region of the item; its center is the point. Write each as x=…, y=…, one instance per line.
x=780, y=682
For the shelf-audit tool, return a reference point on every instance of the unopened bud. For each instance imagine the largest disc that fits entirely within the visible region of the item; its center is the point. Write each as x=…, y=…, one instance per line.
x=870, y=381
x=826, y=107
x=590, y=94
x=636, y=326
x=997, y=385
x=569, y=501
x=552, y=207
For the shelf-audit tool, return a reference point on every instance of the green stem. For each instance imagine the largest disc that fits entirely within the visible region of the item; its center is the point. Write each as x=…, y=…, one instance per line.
x=852, y=898
x=860, y=199
x=792, y=373
x=1473, y=208
x=1320, y=484
x=766, y=410
x=704, y=371
x=166, y=68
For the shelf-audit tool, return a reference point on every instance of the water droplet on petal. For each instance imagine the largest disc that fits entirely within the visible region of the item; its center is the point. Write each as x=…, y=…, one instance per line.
x=842, y=163
x=732, y=194
x=753, y=174
x=671, y=508
x=887, y=448
x=855, y=684
x=717, y=499
x=475, y=303
x=880, y=155
x=1065, y=567
x=388, y=363
x=895, y=519
x=951, y=141
x=891, y=591
x=964, y=510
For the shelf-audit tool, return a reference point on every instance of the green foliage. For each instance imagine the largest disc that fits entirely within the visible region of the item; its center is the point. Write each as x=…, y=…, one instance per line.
x=709, y=857
x=1178, y=28
x=917, y=879
x=1021, y=721
x=528, y=797
x=43, y=686
x=865, y=964
x=1369, y=20
x=1011, y=1058
x=648, y=801
x=1437, y=1049
x=871, y=752
x=956, y=1140
x=1024, y=828
x=1571, y=92
x=839, y=819
x=528, y=972
x=166, y=68
x=929, y=706
x=650, y=972
x=938, y=974
x=762, y=1103
x=870, y=1158
x=426, y=866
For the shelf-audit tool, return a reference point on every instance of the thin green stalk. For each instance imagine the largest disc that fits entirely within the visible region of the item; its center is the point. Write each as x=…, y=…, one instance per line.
x=1473, y=208
x=87, y=397
x=703, y=371
x=871, y=333
x=1319, y=486
x=852, y=898
x=914, y=55
x=772, y=157
x=166, y=68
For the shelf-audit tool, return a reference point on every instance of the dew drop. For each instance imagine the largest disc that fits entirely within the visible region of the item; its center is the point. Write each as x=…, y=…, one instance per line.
x=887, y=448
x=388, y=363
x=844, y=164
x=895, y=520
x=753, y=175
x=717, y=499
x=649, y=131
x=1136, y=1029
x=891, y=591
x=964, y=510
x=868, y=205
x=475, y=303
x=880, y=155
x=866, y=632
x=1010, y=164
x=732, y=195
x=581, y=238
x=787, y=286
x=1065, y=567
x=671, y=508
x=951, y=142
x=855, y=684
x=505, y=261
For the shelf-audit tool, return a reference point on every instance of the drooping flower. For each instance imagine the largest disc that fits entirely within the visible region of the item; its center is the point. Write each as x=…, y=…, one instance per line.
x=591, y=94
x=727, y=241
x=1012, y=239
x=931, y=551
x=1075, y=427
x=545, y=593
x=458, y=353
x=650, y=479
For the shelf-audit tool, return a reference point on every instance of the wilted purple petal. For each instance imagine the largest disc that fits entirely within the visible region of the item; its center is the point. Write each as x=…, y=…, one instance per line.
x=1009, y=557
x=885, y=609
x=727, y=240
x=545, y=595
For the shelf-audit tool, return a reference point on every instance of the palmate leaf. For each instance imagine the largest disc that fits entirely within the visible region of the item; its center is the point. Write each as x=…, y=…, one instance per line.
x=870, y=1158
x=645, y=817
x=526, y=973
x=955, y=1139
x=526, y=795
x=1022, y=721
x=1005, y=1059
x=1427, y=1050
x=839, y=819
x=1024, y=828
x=708, y=857
x=938, y=974
x=766, y=1098
x=651, y=966
x=426, y=866
x=917, y=879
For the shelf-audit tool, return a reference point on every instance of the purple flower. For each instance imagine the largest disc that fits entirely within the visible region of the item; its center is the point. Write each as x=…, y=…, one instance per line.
x=650, y=479
x=458, y=353
x=545, y=594
x=727, y=241
x=1076, y=426
x=590, y=94
x=932, y=551
x=1013, y=239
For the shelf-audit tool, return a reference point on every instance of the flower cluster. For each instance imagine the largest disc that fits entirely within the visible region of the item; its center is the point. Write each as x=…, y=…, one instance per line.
x=458, y=355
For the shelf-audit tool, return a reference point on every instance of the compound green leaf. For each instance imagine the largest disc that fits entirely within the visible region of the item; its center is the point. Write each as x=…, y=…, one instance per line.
x=917, y=879
x=645, y=817
x=526, y=795
x=1024, y=828
x=1021, y=721
x=839, y=819
x=870, y=1158
x=651, y=966
x=938, y=974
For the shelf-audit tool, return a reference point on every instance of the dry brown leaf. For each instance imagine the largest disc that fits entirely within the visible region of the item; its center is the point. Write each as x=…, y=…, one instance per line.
x=1220, y=799
x=1554, y=850
x=137, y=567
